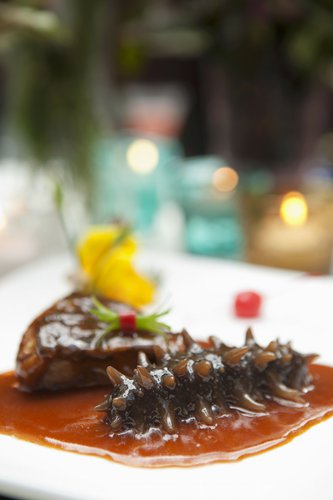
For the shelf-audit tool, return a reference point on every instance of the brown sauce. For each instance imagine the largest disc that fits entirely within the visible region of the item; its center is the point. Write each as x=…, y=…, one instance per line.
x=67, y=420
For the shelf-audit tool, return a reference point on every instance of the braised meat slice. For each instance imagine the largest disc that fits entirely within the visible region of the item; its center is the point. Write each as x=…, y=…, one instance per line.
x=60, y=348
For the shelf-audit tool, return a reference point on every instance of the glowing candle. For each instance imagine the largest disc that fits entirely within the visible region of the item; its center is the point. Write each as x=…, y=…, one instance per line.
x=294, y=209
x=290, y=239
x=142, y=156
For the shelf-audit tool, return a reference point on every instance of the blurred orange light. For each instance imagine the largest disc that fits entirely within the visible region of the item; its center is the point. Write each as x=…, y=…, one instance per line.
x=225, y=179
x=294, y=209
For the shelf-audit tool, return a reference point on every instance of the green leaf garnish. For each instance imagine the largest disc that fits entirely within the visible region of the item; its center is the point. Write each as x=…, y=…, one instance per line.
x=150, y=323
x=58, y=199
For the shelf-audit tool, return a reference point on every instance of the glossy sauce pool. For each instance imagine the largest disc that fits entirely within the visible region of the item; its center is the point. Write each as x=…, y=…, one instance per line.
x=67, y=420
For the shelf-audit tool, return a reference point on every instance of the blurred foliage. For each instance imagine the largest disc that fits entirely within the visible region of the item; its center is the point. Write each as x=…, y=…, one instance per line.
x=51, y=49
x=272, y=61
x=241, y=33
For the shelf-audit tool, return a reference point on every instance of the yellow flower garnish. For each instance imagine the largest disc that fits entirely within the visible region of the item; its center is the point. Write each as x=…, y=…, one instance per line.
x=106, y=254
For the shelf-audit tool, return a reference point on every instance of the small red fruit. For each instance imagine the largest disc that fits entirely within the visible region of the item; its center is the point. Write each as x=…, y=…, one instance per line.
x=247, y=304
x=127, y=322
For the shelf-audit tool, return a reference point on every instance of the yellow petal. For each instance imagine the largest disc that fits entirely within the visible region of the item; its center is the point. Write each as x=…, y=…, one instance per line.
x=97, y=243
x=119, y=280
x=109, y=269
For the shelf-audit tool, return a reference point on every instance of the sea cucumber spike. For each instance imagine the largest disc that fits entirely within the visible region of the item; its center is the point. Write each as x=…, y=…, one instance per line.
x=234, y=356
x=203, y=412
x=115, y=376
x=263, y=358
x=119, y=403
x=249, y=337
x=169, y=381
x=286, y=358
x=282, y=391
x=144, y=378
x=203, y=368
x=215, y=341
x=250, y=404
x=311, y=357
x=143, y=359
x=102, y=406
x=225, y=348
x=181, y=368
x=159, y=353
x=220, y=406
x=168, y=418
x=187, y=339
x=116, y=423
x=272, y=346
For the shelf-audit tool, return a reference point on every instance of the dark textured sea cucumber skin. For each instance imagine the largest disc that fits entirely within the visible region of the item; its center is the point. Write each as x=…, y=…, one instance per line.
x=201, y=384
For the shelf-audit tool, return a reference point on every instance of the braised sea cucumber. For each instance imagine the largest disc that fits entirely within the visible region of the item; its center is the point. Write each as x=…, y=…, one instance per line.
x=201, y=384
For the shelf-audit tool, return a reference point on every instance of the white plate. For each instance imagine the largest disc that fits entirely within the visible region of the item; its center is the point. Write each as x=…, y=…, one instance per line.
x=201, y=292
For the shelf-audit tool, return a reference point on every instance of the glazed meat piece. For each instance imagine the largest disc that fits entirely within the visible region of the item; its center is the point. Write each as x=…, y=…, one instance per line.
x=202, y=384
x=60, y=349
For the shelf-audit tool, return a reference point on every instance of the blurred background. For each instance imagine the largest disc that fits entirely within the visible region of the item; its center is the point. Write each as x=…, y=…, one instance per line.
x=205, y=124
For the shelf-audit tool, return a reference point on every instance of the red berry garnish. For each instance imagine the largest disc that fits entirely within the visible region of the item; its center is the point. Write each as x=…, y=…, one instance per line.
x=127, y=322
x=247, y=304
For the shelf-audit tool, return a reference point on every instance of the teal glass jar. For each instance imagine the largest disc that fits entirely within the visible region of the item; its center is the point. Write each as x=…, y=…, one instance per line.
x=129, y=177
x=207, y=191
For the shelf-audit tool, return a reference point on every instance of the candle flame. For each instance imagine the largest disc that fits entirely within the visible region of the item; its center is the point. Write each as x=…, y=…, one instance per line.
x=294, y=209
